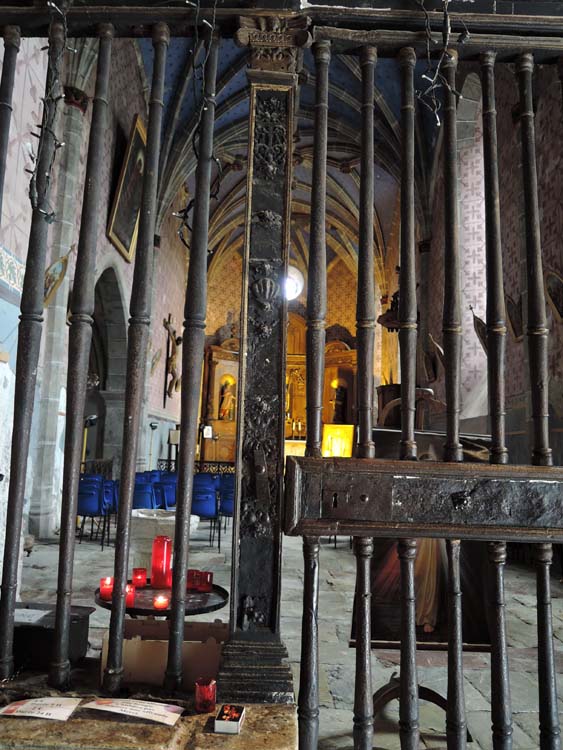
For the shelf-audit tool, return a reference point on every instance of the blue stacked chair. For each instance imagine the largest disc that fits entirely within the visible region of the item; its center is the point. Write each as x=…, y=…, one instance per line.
x=91, y=503
x=227, y=496
x=205, y=502
x=144, y=496
x=165, y=494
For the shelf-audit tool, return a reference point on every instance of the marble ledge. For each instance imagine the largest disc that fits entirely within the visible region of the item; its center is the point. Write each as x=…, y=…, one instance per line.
x=262, y=724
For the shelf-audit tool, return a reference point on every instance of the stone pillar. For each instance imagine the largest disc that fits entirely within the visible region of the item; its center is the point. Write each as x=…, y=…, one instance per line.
x=48, y=465
x=255, y=599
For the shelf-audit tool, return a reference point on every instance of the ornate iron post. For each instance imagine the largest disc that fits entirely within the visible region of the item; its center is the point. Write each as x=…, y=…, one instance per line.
x=255, y=590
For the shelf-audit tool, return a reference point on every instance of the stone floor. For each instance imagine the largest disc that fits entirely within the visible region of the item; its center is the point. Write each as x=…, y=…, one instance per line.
x=337, y=659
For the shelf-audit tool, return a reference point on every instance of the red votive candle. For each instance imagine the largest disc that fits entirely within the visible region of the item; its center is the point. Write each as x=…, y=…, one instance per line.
x=139, y=577
x=205, y=581
x=129, y=595
x=191, y=579
x=106, y=587
x=205, y=696
x=160, y=563
x=161, y=601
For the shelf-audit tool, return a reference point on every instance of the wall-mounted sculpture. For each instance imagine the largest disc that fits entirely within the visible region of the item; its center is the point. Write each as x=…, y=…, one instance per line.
x=173, y=344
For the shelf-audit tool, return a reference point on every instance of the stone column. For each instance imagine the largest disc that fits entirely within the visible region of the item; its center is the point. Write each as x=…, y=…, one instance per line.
x=48, y=465
x=255, y=599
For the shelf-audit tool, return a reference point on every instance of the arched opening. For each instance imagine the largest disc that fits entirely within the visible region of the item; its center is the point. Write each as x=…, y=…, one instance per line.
x=107, y=372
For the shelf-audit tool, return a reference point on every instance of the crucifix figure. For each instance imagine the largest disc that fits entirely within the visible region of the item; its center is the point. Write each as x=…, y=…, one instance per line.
x=172, y=360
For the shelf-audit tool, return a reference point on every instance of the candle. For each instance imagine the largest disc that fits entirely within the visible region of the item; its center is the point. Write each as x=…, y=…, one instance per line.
x=191, y=582
x=129, y=595
x=139, y=577
x=161, y=601
x=106, y=588
x=205, y=581
x=205, y=696
x=160, y=564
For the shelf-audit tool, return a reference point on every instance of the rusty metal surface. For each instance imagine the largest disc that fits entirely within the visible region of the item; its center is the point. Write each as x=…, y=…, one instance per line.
x=80, y=337
x=29, y=344
x=445, y=500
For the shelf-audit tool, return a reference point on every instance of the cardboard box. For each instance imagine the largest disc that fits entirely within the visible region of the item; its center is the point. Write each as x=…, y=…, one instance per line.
x=145, y=651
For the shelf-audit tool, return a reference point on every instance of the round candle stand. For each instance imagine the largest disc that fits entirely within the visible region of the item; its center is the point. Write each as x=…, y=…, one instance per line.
x=197, y=602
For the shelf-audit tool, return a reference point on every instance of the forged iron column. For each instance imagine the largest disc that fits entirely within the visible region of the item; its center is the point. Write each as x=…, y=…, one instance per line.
x=192, y=361
x=29, y=342
x=550, y=734
x=12, y=41
x=501, y=710
x=452, y=266
x=80, y=337
x=537, y=324
x=365, y=306
x=316, y=279
x=407, y=277
x=496, y=312
x=308, y=703
x=136, y=358
x=252, y=660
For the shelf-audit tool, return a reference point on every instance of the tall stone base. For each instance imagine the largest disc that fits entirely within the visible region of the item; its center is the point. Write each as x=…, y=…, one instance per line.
x=255, y=672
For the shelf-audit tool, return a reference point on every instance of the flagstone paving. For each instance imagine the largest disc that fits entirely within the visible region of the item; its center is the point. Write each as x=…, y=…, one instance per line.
x=337, y=659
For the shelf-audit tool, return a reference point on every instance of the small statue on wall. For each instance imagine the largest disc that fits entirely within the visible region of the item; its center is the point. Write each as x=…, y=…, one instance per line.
x=227, y=400
x=174, y=343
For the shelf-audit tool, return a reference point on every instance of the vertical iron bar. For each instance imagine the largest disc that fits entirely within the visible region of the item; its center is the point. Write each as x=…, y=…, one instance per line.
x=537, y=324
x=456, y=727
x=80, y=337
x=316, y=279
x=139, y=323
x=550, y=733
x=29, y=342
x=363, y=698
x=308, y=701
x=501, y=709
x=452, y=265
x=12, y=39
x=192, y=361
x=537, y=346
x=407, y=275
x=365, y=307
x=496, y=313
x=408, y=699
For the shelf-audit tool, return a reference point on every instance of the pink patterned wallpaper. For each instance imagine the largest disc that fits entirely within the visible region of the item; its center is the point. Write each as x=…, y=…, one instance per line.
x=28, y=87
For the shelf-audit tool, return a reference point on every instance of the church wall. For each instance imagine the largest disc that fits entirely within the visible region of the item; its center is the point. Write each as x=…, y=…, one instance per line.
x=549, y=131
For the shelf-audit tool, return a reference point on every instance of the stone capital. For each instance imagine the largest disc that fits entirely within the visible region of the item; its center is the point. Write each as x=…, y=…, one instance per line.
x=274, y=42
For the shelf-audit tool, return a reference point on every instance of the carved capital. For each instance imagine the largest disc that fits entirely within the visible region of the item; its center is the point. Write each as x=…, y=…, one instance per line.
x=274, y=42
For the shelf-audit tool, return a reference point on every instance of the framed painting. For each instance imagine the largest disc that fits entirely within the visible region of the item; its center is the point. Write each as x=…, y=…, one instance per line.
x=123, y=223
x=554, y=290
x=54, y=276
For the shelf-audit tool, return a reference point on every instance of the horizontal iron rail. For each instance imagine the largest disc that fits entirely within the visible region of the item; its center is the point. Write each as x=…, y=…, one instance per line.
x=389, y=42
x=395, y=499
x=138, y=20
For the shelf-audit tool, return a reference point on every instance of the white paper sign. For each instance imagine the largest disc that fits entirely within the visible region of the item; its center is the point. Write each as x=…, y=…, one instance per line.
x=164, y=713
x=42, y=708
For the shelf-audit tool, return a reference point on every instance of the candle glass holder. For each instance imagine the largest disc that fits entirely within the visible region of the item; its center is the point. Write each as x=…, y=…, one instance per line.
x=139, y=577
x=129, y=595
x=205, y=584
x=106, y=588
x=205, y=696
x=190, y=582
x=160, y=562
x=161, y=602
